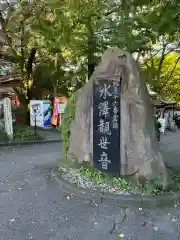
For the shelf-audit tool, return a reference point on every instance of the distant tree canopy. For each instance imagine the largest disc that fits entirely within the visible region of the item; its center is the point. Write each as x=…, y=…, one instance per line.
x=165, y=79
x=55, y=45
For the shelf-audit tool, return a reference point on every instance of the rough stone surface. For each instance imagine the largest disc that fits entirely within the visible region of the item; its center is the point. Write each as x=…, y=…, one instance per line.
x=139, y=147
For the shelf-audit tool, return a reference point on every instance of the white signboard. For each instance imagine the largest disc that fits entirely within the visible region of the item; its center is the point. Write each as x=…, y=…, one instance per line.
x=8, y=118
x=62, y=102
x=61, y=107
x=38, y=114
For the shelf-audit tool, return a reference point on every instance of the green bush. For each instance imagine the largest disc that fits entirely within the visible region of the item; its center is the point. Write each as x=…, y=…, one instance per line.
x=68, y=117
x=25, y=136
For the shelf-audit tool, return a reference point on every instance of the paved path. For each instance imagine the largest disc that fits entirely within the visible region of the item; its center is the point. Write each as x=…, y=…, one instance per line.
x=32, y=206
x=51, y=134
x=170, y=148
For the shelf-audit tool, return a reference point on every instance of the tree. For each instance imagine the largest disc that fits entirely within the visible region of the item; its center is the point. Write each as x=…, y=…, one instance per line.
x=81, y=31
x=164, y=75
x=16, y=25
x=89, y=27
x=29, y=56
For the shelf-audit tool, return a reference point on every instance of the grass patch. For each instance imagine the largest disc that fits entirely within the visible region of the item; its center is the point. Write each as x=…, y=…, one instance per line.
x=25, y=133
x=21, y=133
x=118, y=185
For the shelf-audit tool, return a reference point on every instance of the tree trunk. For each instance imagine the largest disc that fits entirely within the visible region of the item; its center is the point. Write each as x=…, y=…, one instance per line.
x=24, y=99
x=26, y=110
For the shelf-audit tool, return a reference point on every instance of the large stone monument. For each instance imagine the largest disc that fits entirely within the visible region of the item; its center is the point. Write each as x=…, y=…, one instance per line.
x=128, y=143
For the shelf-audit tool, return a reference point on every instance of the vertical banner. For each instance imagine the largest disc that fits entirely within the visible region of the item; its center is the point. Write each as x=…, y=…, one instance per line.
x=46, y=113
x=8, y=118
x=106, y=126
x=55, y=112
x=62, y=104
x=59, y=108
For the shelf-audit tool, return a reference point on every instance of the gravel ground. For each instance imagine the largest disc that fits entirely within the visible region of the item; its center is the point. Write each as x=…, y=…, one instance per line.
x=74, y=176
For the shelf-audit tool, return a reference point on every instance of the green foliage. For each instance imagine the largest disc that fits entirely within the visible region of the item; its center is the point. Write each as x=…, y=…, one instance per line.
x=154, y=186
x=70, y=37
x=167, y=83
x=26, y=134
x=81, y=32
x=174, y=183
x=91, y=174
x=68, y=117
x=151, y=187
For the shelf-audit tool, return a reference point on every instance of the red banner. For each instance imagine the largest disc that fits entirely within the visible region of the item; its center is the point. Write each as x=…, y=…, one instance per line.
x=59, y=107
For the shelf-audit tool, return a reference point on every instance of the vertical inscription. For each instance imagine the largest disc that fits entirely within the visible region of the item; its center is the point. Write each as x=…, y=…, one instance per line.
x=106, y=126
